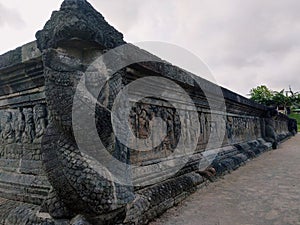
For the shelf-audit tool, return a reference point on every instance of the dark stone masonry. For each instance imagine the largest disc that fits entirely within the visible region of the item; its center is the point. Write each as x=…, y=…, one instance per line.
x=47, y=175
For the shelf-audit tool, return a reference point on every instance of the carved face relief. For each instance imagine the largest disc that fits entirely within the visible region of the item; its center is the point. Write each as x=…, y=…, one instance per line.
x=39, y=112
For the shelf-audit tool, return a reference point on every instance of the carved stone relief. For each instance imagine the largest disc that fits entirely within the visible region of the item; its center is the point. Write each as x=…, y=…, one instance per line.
x=40, y=121
x=19, y=125
x=141, y=121
x=23, y=125
x=8, y=133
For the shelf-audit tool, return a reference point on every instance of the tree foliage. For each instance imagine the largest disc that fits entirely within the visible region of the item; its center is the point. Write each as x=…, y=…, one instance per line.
x=263, y=95
x=281, y=99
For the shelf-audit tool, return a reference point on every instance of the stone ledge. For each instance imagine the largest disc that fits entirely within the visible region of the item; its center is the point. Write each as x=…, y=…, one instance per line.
x=20, y=55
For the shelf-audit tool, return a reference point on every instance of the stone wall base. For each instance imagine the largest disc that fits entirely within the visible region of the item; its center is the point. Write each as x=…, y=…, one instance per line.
x=152, y=201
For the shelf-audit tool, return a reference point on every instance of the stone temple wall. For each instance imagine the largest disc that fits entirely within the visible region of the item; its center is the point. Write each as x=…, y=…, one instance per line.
x=23, y=120
x=70, y=152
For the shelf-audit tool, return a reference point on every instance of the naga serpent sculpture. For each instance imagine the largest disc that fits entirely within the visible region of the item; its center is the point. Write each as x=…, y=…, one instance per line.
x=77, y=187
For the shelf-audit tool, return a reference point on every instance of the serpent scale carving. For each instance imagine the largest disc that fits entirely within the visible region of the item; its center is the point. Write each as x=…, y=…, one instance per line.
x=77, y=187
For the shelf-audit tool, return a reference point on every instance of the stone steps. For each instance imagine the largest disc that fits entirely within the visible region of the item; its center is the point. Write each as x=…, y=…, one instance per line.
x=26, y=188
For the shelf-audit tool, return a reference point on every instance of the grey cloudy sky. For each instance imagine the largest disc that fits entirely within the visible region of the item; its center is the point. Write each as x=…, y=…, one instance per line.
x=245, y=42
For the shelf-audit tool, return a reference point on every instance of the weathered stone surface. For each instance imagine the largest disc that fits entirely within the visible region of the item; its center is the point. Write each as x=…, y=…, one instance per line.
x=22, y=54
x=77, y=19
x=11, y=58
x=47, y=178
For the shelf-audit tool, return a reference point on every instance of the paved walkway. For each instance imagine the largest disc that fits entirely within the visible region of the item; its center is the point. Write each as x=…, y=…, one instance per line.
x=263, y=192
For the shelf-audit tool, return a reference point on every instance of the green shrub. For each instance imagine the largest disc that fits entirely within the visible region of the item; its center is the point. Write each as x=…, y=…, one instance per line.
x=297, y=117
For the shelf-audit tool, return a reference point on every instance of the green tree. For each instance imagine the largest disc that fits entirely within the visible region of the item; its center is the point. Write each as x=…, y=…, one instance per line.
x=262, y=95
x=295, y=98
x=282, y=99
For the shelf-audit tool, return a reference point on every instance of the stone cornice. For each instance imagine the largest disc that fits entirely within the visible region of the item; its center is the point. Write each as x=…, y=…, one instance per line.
x=24, y=54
